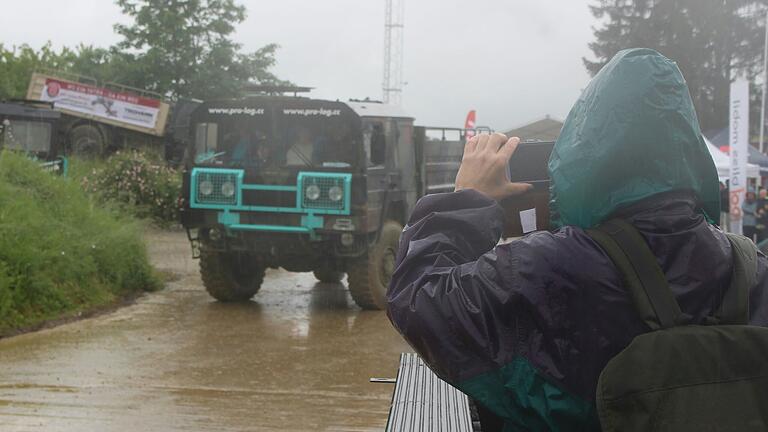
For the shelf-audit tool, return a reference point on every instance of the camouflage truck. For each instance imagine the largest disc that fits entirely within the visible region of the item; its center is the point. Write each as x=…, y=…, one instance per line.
x=307, y=185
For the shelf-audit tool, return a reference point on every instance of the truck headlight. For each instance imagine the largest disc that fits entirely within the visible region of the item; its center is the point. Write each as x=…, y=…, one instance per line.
x=228, y=189
x=206, y=187
x=312, y=192
x=335, y=193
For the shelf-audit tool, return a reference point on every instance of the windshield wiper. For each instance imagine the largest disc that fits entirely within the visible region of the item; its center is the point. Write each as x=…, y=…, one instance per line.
x=208, y=157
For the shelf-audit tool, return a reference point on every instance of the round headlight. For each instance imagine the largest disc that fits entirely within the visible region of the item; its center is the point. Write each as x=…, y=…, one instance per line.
x=206, y=187
x=228, y=189
x=335, y=193
x=312, y=192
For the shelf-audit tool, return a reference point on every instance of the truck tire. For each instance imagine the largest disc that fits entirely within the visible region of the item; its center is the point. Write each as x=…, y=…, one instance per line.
x=369, y=276
x=230, y=277
x=328, y=275
x=86, y=141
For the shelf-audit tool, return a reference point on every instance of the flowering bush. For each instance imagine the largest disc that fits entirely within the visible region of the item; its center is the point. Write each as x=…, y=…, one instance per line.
x=145, y=186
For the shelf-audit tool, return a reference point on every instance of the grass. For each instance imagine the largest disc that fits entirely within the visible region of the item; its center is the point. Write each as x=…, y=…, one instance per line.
x=60, y=253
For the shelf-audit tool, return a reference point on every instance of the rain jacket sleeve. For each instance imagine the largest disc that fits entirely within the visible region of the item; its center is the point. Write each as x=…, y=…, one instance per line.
x=445, y=286
x=486, y=317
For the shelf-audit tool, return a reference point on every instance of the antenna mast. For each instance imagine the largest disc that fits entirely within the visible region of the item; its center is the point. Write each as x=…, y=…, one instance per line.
x=393, y=51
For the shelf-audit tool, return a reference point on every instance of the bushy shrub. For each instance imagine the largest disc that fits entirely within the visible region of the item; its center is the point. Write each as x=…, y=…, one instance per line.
x=60, y=253
x=141, y=184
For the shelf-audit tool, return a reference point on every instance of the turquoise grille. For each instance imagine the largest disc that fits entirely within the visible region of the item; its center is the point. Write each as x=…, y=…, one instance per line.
x=216, y=180
x=323, y=201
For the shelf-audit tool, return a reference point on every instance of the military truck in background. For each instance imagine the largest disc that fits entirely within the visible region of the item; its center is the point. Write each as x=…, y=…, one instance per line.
x=31, y=128
x=97, y=119
x=307, y=185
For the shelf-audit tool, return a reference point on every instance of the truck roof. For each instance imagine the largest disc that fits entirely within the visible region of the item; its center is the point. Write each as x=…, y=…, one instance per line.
x=26, y=110
x=377, y=109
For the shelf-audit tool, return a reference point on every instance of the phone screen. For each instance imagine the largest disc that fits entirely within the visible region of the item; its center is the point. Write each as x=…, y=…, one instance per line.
x=529, y=163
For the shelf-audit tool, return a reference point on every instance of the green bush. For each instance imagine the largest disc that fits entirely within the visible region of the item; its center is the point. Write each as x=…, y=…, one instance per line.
x=138, y=182
x=59, y=253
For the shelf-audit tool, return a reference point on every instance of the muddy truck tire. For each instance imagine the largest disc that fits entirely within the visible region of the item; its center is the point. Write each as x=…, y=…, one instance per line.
x=369, y=276
x=86, y=141
x=328, y=276
x=230, y=277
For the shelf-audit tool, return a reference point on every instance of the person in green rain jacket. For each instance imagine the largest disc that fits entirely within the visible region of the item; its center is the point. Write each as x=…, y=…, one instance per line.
x=526, y=327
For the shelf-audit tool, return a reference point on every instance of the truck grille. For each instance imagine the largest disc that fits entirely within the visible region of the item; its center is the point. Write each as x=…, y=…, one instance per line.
x=216, y=186
x=323, y=201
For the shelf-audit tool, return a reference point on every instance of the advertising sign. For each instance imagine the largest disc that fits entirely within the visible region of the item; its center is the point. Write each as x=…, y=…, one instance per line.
x=738, y=131
x=103, y=103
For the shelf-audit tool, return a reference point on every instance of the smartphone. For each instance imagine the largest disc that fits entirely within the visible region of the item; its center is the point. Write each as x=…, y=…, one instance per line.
x=530, y=211
x=529, y=163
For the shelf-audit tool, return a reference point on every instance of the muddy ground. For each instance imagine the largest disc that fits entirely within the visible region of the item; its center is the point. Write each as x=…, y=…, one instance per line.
x=297, y=358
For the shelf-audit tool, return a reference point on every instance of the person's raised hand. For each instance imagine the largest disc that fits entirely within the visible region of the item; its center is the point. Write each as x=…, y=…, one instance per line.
x=484, y=166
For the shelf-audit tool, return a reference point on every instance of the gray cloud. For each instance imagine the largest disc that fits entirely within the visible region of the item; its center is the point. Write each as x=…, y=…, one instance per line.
x=512, y=60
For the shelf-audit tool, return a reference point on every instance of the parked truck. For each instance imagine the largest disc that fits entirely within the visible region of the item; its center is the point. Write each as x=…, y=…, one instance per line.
x=97, y=119
x=307, y=185
x=31, y=128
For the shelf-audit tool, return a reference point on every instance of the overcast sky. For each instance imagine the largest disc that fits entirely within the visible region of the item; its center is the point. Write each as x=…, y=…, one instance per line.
x=512, y=60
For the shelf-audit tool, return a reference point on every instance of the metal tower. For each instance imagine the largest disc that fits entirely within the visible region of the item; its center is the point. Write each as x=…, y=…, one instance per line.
x=393, y=51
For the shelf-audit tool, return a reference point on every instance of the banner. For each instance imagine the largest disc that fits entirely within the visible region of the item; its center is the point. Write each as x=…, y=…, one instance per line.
x=100, y=102
x=738, y=131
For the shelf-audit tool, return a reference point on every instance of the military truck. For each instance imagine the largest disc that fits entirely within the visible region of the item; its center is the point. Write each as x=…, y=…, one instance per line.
x=307, y=185
x=31, y=128
x=101, y=117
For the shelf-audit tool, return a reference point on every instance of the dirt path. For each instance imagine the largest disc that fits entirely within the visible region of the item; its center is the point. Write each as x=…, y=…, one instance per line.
x=297, y=358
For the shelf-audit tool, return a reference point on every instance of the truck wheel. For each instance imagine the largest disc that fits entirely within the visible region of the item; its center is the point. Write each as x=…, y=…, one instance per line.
x=230, y=277
x=86, y=141
x=328, y=275
x=369, y=276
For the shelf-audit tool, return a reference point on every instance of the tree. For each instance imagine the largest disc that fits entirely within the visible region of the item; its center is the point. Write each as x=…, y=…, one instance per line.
x=182, y=48
x=18, y=63
x=712, y=42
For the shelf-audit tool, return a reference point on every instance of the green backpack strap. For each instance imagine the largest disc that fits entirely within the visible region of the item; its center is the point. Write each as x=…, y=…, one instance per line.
x=651, y=295
x=735, y=306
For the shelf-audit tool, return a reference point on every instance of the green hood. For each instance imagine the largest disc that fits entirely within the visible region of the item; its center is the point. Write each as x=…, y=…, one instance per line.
x=632, y=134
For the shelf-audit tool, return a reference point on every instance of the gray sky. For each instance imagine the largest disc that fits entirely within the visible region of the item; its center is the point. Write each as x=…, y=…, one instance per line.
x=512, y=60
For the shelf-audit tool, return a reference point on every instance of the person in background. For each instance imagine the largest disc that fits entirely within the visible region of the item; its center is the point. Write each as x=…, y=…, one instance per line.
x=749, y=217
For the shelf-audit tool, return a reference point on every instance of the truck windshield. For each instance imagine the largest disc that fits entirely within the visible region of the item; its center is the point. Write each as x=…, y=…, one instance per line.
x=25, y=135
x=290, y=142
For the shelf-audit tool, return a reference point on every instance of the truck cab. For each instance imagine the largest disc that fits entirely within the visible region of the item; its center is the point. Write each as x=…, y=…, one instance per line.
x=303, y=184
x=32, y=128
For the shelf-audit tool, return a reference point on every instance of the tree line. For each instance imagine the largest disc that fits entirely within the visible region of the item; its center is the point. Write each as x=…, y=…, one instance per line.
x=184, y=48
x=712, y=41
x=177, y=48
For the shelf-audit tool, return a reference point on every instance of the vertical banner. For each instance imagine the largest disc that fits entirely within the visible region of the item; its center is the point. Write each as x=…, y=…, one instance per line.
x=738, y=130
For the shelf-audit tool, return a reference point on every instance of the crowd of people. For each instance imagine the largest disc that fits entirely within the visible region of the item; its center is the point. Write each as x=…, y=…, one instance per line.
x=754, y=211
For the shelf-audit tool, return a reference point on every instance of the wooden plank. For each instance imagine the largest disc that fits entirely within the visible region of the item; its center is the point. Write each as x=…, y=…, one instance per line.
x=422, y=402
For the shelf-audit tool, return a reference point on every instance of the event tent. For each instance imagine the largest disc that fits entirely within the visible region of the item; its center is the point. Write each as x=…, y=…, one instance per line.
x=723, y=163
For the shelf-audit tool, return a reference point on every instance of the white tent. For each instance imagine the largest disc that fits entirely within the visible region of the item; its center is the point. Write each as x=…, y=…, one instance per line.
x=723, y=163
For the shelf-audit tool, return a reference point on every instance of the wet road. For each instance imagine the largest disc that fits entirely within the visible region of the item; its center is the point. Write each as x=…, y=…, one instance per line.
x=297, y=358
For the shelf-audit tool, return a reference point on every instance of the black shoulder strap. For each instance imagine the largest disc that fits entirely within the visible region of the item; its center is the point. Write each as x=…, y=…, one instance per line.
x=735, y=306
x=652, y=297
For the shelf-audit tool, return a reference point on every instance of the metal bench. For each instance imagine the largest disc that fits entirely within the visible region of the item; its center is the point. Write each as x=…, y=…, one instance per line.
x=423, y=402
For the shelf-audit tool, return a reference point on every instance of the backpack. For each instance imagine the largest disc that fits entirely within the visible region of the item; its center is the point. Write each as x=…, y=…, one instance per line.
x=678, y=377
